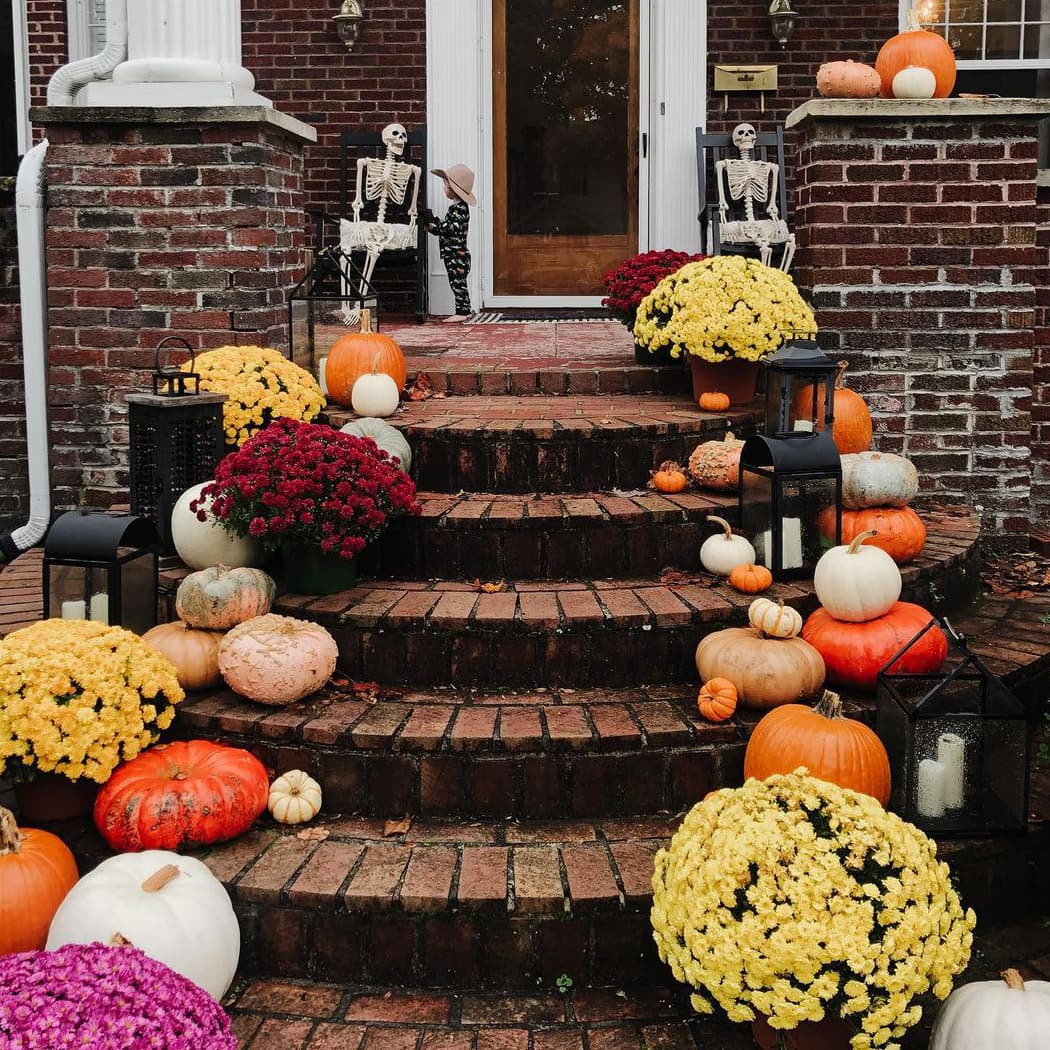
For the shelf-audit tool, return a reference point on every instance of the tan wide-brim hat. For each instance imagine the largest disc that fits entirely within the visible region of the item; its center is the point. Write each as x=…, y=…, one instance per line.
x=461, y=179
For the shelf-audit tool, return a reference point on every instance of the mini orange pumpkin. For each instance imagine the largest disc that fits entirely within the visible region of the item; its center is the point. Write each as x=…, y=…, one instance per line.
x=714, y=401
x=668, y=477
x=353, y=355
x=717, y=699
x=750, y=579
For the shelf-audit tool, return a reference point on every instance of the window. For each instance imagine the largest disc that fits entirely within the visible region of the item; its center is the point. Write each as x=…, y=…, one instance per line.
x=87, y=28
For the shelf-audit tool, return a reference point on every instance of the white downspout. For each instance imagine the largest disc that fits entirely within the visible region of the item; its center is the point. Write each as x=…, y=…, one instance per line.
x=32, y=282
x=69, y=79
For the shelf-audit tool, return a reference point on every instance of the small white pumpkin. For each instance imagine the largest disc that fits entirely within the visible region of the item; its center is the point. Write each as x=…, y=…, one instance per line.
x=857, y=583
x=1011, y=1014
x=877, y=479
x=295, y=798
x=169, y=906
x=722, y=553
x=388, y=438
x=375, y=393
x=774, y=618
x=202, y=544
x=914, y=82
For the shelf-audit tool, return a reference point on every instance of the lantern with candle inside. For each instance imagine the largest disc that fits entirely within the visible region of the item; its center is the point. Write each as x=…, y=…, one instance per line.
x=100, y=566
x=800, y=387
x=958, y=742
x=786, y=483
x=332, y=296
x=175, y=439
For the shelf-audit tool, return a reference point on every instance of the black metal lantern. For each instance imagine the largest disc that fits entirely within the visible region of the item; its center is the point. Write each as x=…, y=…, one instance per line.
x=958, y=742
x=176, y=439
x=100, y=566
x=800, y=388
x=791, y=500
x=322, y=306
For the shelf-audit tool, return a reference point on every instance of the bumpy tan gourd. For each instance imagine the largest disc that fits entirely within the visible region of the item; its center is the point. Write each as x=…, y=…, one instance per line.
x=716, y=464
x=848, y=79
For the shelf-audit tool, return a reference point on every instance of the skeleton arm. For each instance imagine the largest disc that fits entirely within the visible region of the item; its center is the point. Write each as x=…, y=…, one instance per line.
x=723, y=204
x=774, y=180
x=362, y=163
x=415, y=177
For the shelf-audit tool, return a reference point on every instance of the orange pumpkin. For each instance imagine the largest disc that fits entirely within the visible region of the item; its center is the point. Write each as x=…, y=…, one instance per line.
x=668, y=477
x=353, y=356
x=713, y=401
x=917, y=47
x=852, y=428
x=899, y=531
x=194, y=653
x=36, y=872
x=716, y=464
x=717, y=699
x=750, y=579
x=832, y=747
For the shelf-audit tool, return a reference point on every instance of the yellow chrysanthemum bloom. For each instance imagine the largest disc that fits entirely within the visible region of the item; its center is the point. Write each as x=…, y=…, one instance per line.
x=797, y=899
x=261, y=385
x=78, y=697
x=722, y=307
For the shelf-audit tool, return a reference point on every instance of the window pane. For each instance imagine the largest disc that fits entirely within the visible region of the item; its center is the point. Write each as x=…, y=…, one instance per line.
x=930, y=12
x=1004, y=11
x=1037, y=41
x=965, y=41
x=961, y=11
x=1003, y=42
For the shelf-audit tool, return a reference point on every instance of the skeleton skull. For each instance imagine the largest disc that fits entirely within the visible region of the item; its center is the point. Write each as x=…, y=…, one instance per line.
x=744, y=137
x=395, y=138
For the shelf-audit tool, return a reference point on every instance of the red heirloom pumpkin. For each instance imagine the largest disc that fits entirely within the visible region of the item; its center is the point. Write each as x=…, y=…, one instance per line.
x=854, y=653
x=899, y=530
x=180, y=796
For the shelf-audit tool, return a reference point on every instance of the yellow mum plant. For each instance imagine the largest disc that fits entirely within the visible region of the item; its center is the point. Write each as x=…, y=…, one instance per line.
x=79, y=697
x=722, y=307
x=799, y=900
x=261, y=385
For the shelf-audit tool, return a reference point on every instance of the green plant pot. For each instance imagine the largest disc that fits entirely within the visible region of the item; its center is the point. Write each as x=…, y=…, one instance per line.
x=308, y=570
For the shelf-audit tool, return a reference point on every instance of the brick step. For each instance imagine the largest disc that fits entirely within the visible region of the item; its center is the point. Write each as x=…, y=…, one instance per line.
x=511, y=444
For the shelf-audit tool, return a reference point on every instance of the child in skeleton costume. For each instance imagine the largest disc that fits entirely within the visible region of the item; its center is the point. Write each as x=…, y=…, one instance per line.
x=452, y=233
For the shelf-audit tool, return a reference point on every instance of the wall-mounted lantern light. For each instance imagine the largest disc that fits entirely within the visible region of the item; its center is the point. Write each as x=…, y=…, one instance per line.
x=782, y=20
x=348, y=22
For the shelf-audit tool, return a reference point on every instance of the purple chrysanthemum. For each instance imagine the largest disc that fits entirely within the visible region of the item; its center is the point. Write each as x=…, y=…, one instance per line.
x=93, y=997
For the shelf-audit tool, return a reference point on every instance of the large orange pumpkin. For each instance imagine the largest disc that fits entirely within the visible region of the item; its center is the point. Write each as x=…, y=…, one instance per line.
x=851, y=430
x=36, y=872
x=854, y=653
x=830, y=746
x=899, y=530
x=355, y=354
x=917, y=47
x=181, y=796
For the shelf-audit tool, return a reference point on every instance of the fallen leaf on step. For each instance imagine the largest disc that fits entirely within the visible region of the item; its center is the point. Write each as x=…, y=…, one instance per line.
x=490, y=588
x=396, y=827
x=422, y=388
x=312, y=834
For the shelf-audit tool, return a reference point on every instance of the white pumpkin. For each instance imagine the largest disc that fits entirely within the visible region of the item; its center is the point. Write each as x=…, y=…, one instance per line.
x=722, y=553
x=774, y=618
x=168, y=906
x=375, y=393
x=388, y=438
x=914, y=82
x=1011, y=1014
x=202, y=544
x=877, y=479
x=857, y=583
x=295, y=798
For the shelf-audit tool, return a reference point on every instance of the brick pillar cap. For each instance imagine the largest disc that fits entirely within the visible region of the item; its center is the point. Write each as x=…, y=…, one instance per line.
x=194, y=116
x=881, y=109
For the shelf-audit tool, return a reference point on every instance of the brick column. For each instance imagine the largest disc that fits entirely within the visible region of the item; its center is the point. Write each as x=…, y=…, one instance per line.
x=917, y=231
x=1041, y=387
x=160, y=222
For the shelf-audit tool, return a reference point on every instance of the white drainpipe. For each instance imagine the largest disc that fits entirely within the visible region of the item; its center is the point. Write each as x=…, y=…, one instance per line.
x=67, y=81
x=32, y=281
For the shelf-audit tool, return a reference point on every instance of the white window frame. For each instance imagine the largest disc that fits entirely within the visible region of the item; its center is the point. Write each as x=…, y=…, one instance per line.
x=24, y=130
x=78, y=28
x=906, y=6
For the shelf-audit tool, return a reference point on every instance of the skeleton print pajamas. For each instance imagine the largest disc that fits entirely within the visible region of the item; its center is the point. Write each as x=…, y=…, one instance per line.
x=452, y=243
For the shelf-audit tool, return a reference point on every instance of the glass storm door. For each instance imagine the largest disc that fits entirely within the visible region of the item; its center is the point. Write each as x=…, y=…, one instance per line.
x=565, y=143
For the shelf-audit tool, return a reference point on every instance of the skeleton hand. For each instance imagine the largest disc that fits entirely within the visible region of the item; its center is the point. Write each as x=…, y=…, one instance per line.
x=723, y=216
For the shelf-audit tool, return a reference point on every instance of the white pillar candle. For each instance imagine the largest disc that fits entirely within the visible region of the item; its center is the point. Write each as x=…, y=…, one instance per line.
x=792, y=539
x=320, y=376
x=804, y=426
x=930, y=794
x=99, y=607
x=951, y=753
x=74, y=610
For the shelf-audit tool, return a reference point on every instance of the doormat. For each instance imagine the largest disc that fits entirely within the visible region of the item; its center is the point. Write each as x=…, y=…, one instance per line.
x=594, y=315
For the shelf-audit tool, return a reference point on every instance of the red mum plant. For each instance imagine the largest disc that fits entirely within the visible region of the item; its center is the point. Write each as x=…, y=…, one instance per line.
x=311, y=485
x=630, y=282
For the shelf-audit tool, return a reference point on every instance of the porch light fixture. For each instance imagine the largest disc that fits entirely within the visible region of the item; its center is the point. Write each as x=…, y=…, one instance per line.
x=348, y=22
x=782, y=20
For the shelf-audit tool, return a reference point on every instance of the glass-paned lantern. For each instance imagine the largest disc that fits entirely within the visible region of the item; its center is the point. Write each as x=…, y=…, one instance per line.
x=176, y=440
x=100, y=566
x=326, y=304
x=791, y=500
x=800, y=388
x=958, y=742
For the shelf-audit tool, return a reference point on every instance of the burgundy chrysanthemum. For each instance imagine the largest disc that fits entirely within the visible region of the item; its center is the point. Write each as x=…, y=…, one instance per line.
x=630, y=282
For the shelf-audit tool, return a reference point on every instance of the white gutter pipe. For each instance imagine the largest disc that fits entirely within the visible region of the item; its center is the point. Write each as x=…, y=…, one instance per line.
x=62, y=88
x=32, y=282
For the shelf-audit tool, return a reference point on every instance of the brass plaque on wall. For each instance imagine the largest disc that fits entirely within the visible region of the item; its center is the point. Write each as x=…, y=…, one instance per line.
x=745, y=78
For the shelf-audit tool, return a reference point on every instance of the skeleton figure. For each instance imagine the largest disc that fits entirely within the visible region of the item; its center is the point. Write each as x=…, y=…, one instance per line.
x=386, y=180
x=754, y=184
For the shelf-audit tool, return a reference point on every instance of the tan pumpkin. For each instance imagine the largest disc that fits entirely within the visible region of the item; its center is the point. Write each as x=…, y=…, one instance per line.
x=353, y=355
x=715, y=465
x=194, y=653
x=878, y=479
x=295, y=798
x=774, y=618
x=767, y=672
x=848, y=79
x=219, y=598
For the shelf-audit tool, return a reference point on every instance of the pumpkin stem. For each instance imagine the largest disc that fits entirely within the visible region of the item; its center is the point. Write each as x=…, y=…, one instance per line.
x=725, y=525
x=841, y=375
x=160, y=878
x=366, y=321
x=10, y=836
x=375, y=364
x=118, y=940
x=829, y=705
x=1013, y=979
x=729, y=437
x=860, y=538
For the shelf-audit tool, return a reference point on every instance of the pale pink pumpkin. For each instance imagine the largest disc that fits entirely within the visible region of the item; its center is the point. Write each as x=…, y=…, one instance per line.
x=277, y=660
x=219, y=598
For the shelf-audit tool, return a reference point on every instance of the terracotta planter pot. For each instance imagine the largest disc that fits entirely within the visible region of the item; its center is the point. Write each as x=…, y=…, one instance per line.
x=50, y=796
x=829, y=1034
x=738, y=379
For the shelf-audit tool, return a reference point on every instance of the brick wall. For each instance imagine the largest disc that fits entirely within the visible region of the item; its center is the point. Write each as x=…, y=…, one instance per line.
x=48, y=48
x=1040, y=512
x=13, y=469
